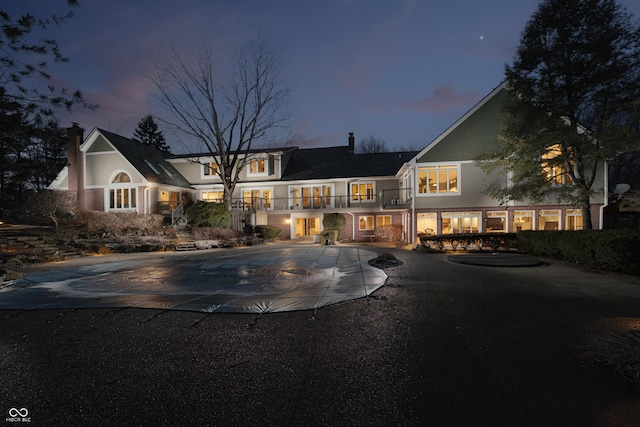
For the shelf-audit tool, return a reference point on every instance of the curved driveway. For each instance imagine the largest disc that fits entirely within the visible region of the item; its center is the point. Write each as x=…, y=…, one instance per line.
x=442, y=344
x=245, y=281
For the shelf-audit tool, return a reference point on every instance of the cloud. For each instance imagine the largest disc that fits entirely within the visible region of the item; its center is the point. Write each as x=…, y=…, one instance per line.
x=442, y=99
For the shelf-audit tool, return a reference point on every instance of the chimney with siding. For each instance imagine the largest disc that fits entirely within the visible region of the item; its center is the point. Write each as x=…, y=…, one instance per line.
x=75, y=163
x=352, y=143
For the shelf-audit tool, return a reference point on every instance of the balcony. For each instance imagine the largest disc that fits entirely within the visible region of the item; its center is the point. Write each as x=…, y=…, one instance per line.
x=386, y=199
x=289, y=204
x=399, y=198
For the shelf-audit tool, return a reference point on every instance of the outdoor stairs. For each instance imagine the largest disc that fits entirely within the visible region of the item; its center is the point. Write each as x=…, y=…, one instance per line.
x=29, y=244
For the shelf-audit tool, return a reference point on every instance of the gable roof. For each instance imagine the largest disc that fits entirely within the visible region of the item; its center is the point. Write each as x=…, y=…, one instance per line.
x=339, y=162
x=149, y=161
x=472, y=134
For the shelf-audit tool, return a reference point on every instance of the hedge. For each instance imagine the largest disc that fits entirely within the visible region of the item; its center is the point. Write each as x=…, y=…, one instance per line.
x=206, y=214
x=267, y=232
x=611, y=250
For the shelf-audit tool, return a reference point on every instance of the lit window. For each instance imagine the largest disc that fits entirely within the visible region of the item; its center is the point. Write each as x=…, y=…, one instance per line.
x=210, y=169
x=522, y=220
x=257, y=167
x=382, y=220
x=460, y=222
x=438, y=179
x=363, y=191
x=317, y=197
x=365, y=222
x=496, y=222
x=553, y=168
x=257, y=199
x=266, y=199
x=574, y=219
x=426, y=223
x=549, y=220
x=213, y=196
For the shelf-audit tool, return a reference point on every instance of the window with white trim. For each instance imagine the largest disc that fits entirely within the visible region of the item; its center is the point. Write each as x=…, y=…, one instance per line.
x=549, y=219
x=122, y=195
x=311, y=197
x=496, y=222
x=365, y=222
x=523, y=220
x=257, y=167
x=438, y=179
x=573, y=219
x=213, y=196
x=257, y=198
x=209, y=170
x=553, y=169
x=363, y=191
x=382, y=220
x=427, y=223
x=461, y=222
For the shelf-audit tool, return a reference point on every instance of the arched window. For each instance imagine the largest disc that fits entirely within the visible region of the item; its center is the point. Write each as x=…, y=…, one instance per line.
x=121, y=177
x=122, y=196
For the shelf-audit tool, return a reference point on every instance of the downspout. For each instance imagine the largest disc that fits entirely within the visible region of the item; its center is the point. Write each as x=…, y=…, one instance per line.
x=606, y=196
x=353, y=217
x=146, y=201
x=353, y=226
x=412, y=217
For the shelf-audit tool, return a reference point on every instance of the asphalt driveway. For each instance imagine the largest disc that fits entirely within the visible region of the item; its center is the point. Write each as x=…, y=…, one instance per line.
x=442, y=344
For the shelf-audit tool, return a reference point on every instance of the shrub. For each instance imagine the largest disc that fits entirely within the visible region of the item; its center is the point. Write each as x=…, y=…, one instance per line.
x=334, y=221
x=219, y=233
x=330, y=235
x=204, y=214
x=391, y=232
x=114, y=224
x=267, y=232
x=333, y=224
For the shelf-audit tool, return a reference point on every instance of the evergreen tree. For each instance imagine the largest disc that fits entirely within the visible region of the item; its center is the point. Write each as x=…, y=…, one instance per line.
x=147, y=133
x=24, y=60
x=575, y=86
x=32, y=151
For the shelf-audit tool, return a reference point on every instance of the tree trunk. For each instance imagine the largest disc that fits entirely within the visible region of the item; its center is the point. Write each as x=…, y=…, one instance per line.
x=586, y=214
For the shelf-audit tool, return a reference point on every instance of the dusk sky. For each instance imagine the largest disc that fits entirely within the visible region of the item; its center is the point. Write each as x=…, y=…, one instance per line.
x=400, y=70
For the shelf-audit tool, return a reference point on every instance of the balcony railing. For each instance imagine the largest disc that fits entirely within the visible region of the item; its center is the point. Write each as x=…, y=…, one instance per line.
x=399, y=198
x=303, y=203
x=387, y=199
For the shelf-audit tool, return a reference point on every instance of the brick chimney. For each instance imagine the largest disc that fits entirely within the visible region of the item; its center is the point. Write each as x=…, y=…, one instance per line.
x=75, y=163
x=352, y=143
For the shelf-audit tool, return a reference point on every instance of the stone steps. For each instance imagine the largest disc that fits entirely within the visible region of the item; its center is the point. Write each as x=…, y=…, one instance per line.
x=29, y=244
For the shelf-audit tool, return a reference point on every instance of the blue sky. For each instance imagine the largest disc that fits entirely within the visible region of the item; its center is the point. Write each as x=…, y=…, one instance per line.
x=400, y=70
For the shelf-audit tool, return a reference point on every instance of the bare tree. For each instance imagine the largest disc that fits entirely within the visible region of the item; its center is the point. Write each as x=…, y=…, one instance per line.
x=54, y=205
x=371, y=144
x=227, y=112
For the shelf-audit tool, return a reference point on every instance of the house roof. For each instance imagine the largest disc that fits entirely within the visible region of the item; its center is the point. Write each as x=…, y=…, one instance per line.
x=339, y=162
x=252, y=151
x=149, y=161
x=472, y=134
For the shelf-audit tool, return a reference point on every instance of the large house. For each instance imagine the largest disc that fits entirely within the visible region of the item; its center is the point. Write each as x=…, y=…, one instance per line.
x=438, y=190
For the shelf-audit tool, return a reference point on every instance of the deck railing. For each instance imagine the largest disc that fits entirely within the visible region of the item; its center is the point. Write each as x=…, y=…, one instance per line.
x=386, y=199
